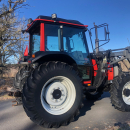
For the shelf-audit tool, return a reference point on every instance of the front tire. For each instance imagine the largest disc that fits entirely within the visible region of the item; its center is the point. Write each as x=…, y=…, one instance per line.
x=53, y=95
x=120, y=92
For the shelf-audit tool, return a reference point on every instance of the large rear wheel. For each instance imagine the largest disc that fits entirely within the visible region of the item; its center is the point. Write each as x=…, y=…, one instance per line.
x=53, y=95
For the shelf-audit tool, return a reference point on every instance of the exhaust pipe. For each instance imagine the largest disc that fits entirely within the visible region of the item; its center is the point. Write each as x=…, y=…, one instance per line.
x=96, y=40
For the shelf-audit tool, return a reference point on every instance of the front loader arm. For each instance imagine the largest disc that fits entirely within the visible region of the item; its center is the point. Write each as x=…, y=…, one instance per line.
x=124, y=54
x=113, y=57
x=106, y=69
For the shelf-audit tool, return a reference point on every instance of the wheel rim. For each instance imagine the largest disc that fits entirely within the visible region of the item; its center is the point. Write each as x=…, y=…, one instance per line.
x=126, y=99
x=58, y=95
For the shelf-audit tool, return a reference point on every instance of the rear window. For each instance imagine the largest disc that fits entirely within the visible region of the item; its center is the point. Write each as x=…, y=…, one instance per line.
x=35, y=40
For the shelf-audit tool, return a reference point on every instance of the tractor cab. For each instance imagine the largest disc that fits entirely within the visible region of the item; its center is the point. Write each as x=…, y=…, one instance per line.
x=57, y=39
x=55, y=35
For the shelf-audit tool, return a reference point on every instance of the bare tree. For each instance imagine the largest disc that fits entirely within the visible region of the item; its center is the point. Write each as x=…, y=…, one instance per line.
x=12, y=41
x=12, y=6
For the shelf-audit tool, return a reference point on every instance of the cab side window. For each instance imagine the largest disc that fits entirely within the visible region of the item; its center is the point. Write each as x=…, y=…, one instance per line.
x=52, y=37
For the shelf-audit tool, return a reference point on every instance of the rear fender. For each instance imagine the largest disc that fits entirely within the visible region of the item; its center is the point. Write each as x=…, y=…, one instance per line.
x=53, y=56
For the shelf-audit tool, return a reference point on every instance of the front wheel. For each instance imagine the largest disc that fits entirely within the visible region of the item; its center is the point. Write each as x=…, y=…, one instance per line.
x=53, y=95
x=120, y=92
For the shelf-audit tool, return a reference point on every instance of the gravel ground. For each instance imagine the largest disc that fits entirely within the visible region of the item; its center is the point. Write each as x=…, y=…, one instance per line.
x=98, y=115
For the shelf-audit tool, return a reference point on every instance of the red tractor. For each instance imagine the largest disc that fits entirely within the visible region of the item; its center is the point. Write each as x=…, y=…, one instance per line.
x=58, y=72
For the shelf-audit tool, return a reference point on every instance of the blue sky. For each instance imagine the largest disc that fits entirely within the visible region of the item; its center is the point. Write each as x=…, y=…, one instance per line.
x=114, y=12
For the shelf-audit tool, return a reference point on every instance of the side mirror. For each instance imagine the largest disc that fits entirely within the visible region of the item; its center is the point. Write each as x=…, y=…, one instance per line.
x=106, y=34
x=23, y=31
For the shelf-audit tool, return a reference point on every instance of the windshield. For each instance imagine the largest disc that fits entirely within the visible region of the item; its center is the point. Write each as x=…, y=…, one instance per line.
x=74, y=41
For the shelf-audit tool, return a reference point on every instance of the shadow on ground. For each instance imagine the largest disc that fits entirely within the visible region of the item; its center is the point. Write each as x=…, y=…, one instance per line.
x=89, y=103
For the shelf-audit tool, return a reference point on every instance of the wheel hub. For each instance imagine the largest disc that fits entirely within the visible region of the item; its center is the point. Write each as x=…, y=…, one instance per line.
x=56, y=94
x=126, y=92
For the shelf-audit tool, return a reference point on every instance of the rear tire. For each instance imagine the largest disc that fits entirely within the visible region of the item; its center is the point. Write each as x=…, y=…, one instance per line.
x=53, y=95
x=118, y=99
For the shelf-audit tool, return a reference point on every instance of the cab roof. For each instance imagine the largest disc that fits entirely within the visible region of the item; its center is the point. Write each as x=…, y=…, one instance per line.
x=47, y=19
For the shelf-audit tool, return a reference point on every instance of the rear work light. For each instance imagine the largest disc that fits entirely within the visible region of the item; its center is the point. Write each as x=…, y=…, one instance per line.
x=54, y=16
x=30, y=21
